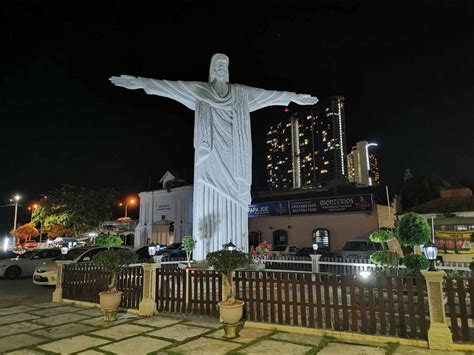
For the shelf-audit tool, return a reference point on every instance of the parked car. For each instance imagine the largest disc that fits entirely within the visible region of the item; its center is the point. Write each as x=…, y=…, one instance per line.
x=26, y=263
x=30, y=244
x=144, y=256
x=360, y=248
x=45, y=273
x=174, y=250
x=284, y=250
x=7, y=254
x=306, y=251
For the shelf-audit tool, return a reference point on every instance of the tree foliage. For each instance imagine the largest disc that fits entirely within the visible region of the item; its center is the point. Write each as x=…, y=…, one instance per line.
x=385, y=259
x=415, y=263
x=413, y=229
x=114, y=261
x=188, y=244
x=108, y=240
x=26, y=231
x=381, y=236
x=75, y=208
x=420, y=189
x=57, y=231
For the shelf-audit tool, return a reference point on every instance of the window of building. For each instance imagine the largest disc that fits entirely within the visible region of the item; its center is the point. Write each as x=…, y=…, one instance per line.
x=280, y=237
x=255, y=237
x=321, y=237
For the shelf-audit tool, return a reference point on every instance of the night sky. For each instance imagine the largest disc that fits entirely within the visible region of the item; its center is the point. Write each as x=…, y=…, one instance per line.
x=405, y=69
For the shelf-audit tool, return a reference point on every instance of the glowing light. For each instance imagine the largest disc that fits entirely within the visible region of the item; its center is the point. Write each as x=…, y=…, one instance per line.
x=365, y=274
x=5, y=244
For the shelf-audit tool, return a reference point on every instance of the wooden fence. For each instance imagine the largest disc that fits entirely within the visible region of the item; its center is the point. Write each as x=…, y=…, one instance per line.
x=382, y=305
x=459, y=294
x=293, y=263
x=193, y=291
x=84, y=281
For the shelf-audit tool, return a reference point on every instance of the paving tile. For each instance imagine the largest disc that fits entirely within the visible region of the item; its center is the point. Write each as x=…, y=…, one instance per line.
x=350, y=349
x=99, y=322
x=92, y=312
x=122, y=331
x=205, y=322
x=15, y=318
x=298, y=338
x=276, y=347
x=246, y=335
x=17, y=309
x=61, y=319
x=91, y=352
x=75, y=344
x=49, y=304
x=54, y=311
x=26, y=352
x=410, y=350
x=207, y=346
x=137, y=346
x=16, y=341
x=63, y=331
x=158, y=322
x=15, y=328
x=179, y=332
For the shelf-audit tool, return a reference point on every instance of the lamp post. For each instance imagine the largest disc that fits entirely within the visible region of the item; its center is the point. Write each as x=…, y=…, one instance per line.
x=129, y=202
x=431, y=252
x=15, y=199
x=230, y=246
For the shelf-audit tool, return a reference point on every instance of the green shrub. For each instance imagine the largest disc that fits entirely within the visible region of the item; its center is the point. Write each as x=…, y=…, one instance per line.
x=471, y=265
x=114, y=261
x=108, y=240
x=226, y=261
x=413, y=229
x=385, y=259
x=415, y=263
x=381, y=236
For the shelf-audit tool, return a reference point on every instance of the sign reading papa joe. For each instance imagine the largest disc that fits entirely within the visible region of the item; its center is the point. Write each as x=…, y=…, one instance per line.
x=338, y=204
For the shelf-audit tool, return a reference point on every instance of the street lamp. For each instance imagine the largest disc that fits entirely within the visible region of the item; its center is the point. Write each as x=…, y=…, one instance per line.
x=64, y=250
x=15, y=199
x=152, y=249
x=230, y=246
x=32, y=209
x=129, y=202
x=431, y=252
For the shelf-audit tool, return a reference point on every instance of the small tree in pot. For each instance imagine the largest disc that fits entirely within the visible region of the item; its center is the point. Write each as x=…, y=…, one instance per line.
x=188, y=244
x=114, y=262
x=230, y=309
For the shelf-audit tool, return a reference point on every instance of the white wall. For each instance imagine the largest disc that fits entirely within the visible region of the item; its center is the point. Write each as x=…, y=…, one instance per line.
x=175, y=205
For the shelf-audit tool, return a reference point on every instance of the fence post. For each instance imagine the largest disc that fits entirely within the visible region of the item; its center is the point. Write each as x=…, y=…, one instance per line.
x=439, y=334
x=157, y=260
x=58, y=292
x=315, y=262
x=147, y=306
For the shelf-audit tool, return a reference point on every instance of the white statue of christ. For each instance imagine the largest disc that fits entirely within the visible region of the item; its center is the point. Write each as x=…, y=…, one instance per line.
x=223, y=148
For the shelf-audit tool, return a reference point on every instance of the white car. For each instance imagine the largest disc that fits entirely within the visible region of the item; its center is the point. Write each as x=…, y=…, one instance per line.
x=45, y=273
x=284, y=250
x=26, y=263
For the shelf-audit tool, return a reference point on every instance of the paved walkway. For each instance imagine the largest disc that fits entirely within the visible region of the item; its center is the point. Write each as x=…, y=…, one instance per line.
x=51, y=328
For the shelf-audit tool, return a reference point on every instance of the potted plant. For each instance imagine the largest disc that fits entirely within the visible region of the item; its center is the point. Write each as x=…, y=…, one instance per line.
x=230, y=309
x=188, y=244
x=263, y=250
x=113, y=261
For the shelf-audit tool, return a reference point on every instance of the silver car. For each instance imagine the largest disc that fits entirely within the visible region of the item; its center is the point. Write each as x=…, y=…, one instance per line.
x=361, y=248
x=26, y=263
x=45, y=273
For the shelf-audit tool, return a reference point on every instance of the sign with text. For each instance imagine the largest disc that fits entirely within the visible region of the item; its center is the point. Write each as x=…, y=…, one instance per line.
x=338, y=204
x=269, y=209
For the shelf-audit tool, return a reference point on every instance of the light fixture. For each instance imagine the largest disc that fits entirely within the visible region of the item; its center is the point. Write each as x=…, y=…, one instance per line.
x=230, y=246
x=315, y=246
x=365, y=274
x=152, y=249
x=64, y=250
x=5, y=244
x=431, y=252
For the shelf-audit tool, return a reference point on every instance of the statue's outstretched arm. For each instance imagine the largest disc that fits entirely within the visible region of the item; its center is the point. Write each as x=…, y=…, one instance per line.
x=181, y=91
x=260, y=98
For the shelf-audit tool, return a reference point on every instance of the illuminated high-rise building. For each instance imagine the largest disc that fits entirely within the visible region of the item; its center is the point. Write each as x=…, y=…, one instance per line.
x=363, y=166
x=308, y=149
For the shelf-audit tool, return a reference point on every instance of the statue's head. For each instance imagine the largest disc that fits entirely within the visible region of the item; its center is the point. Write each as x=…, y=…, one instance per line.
x=219, y=68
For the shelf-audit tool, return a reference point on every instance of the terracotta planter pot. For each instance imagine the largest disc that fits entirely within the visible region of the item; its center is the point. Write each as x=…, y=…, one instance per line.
x=110, y=301
x=231, y=314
